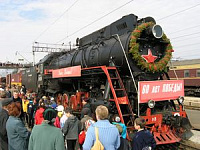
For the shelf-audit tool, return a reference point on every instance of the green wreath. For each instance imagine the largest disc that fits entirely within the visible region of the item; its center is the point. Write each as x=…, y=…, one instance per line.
x=159, y=66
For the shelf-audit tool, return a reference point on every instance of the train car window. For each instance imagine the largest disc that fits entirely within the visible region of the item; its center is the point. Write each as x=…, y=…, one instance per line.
x=198, y=73
x=186, y=73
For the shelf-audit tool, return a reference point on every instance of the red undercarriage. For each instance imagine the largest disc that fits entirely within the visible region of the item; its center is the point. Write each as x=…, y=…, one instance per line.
x=163, y=134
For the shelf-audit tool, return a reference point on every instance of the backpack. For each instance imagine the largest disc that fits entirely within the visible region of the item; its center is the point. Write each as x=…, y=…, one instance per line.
x=97, y=144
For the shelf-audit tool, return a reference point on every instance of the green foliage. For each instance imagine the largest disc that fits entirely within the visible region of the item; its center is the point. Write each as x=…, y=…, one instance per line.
x=159, y=66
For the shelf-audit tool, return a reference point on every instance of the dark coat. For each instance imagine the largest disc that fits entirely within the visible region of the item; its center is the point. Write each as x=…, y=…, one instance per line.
x=17, y=100
x=3, y=133
x=72, y=128
x=86, y=110
x=17, y=133
x=124, y=144
x=50, y=139
x=143, y=139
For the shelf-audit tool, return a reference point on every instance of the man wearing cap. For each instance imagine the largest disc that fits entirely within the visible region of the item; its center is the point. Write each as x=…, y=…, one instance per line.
x=3, y=119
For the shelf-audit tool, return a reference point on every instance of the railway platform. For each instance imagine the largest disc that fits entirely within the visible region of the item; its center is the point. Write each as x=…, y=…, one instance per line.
x=192, y=102
x=192, y=106
x=196, y=137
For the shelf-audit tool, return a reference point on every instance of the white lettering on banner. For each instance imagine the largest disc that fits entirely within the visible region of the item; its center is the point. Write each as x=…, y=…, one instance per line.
x=153, y=118
x=172, y=87
x=67, y=72
x=145, y=89
x=155, y=89
x=60, y=72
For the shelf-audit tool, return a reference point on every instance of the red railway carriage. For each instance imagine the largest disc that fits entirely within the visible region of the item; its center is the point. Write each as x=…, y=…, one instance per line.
x=189, y=71
x=14, y=79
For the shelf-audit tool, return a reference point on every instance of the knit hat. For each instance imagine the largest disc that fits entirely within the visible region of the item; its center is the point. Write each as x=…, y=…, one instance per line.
x=49, y=114
x=86, y=111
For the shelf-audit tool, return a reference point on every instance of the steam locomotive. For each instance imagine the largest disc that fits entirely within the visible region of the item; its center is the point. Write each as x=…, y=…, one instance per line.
x=107, y=66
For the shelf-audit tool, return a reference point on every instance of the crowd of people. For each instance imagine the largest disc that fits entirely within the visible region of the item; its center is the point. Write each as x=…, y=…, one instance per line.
x=28, y=122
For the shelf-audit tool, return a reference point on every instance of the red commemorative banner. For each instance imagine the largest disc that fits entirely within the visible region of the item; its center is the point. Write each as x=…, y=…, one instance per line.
x=160, y=90
x=67, y=72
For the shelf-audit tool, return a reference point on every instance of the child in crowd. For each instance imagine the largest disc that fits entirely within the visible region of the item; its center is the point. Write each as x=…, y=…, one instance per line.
x=124, y=145
x=60, y=111
x=82, y=135
x=63, y=120
x=143, y=139
x=118, y=121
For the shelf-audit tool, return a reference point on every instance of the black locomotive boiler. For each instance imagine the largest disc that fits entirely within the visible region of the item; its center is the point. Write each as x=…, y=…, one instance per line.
x=130, y=50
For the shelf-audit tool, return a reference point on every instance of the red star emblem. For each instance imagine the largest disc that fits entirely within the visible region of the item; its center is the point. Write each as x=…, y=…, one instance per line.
x=149, y=58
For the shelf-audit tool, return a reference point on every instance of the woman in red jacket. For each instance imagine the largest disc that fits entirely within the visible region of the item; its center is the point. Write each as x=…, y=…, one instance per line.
x=39, y=113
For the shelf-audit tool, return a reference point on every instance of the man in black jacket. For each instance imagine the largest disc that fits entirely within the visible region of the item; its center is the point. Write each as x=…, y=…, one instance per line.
x=3, y=119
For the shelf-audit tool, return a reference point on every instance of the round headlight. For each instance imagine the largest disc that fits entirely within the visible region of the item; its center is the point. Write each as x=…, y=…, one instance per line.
x=151, y=103
x=157, y=31
x=181, y=100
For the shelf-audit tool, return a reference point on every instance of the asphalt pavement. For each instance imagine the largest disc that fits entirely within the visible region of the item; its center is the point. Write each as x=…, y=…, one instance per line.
x=194, y=117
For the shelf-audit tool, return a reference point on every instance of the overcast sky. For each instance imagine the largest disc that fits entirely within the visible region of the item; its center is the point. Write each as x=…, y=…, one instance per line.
x=23, y=22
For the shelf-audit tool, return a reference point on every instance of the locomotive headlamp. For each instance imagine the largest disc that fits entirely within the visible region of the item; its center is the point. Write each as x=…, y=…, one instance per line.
x=151, y=103
x=181, y=99
x=157, y=31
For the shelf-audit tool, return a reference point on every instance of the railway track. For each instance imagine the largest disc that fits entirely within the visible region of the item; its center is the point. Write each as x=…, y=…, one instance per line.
x=183, y=145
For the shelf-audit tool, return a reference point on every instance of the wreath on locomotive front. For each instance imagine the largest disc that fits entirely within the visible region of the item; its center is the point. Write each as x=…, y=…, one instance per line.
x=149, y=62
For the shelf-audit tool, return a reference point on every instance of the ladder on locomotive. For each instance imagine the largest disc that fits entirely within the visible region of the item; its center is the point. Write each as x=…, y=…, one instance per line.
x=120, y=97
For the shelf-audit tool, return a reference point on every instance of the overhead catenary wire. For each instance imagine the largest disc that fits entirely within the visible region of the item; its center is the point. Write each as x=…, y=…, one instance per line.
x=44, y=31
x=66, y=10
x=95, y=21
x=188, y=45
x=186, y=51
x=117, y=9
x=105, y=16
x=189, y=38
x=192, y=27
x=185, y=35
x=179, y=12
